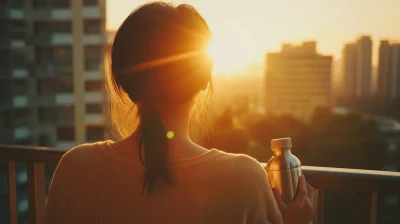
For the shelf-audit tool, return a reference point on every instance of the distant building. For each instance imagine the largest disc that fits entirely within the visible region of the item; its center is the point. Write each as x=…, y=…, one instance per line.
x=298, y=80
x=364, y=67
x=349, y=69
x=356, y=80
x=388, y=71
x=51, y=79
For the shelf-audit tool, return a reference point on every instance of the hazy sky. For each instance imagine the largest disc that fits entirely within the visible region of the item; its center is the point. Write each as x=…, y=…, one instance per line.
x=263, y=24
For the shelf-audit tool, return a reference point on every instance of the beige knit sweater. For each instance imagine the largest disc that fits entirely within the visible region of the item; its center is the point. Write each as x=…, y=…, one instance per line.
x=94, y=183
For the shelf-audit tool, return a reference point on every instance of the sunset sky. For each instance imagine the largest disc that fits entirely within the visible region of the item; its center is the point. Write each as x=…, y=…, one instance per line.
x=256, y=26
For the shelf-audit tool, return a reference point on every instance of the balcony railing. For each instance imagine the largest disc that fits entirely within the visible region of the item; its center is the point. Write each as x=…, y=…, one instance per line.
x=367, y=184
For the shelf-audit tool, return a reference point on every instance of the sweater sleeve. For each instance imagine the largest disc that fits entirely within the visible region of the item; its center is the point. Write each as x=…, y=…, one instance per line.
x=59, y=194
x=265, y=208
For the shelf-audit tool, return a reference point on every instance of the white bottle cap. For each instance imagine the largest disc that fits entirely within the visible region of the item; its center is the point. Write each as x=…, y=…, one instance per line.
x=281, y=143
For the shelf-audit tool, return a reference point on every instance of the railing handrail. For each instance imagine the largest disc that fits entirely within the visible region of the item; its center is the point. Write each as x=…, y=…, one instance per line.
x=319, y=177
x=34, y=154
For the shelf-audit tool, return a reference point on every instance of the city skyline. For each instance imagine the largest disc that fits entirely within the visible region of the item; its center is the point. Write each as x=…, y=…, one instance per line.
x=252, y=28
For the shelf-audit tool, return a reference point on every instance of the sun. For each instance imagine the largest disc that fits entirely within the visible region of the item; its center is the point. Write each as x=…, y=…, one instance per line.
x=232, y=48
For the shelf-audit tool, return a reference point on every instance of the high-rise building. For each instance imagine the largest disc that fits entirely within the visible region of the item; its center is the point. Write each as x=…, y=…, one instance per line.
x=356, y=80
x=51, y=72
x=298, y=80
x=388, y=71
x=349, y=68
x=364, y=67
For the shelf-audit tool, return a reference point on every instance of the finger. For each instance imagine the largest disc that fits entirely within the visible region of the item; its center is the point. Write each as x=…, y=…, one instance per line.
x=310, y=190
x=315, y=204
x=302, y=185
x=278, y=198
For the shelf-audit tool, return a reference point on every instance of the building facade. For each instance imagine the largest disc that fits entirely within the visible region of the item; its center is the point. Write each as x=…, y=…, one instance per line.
x=52, y=78
x=356, y=78
x=364, y=67
x=349, y=68
x=298, y=80
x=388, y=71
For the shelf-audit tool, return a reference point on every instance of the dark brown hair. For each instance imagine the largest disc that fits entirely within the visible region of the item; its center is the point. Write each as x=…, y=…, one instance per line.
x=158, y=57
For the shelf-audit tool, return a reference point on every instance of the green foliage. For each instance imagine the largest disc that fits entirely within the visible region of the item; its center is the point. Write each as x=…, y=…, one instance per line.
x=348, y=140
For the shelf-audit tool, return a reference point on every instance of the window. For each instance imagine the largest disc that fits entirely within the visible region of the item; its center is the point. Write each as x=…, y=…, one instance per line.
x=94, y=133
x=42, y=27
x=63, y=59
x=19, y=24
x=62, y=27
x=93, y=56
x=16, y=3
x=65, y=133
x=93, y=86
x=18, y=35
x=63, y=52
x=55, y=85
x=92, y=108
x=65, y=85
x=19, y=60
x=8, y=120
x=47, y=114
x=25, y=141
x=45, y=86
x=61, y=3
x=93, y=26
x=5, y=87
x=21, y=117
x=44, y=140
x=20, y=86
x=43, y=55
x=65, y=113
x=89, y=2
x=40, y=4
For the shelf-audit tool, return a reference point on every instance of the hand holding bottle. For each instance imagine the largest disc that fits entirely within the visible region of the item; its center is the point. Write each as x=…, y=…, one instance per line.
x=303, y=209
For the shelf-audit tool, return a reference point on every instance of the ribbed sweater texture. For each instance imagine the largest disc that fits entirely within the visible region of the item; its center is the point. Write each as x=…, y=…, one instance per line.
x=94, y=183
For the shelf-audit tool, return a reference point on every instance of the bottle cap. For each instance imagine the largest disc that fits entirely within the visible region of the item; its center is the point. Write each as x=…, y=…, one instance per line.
x=281, y=143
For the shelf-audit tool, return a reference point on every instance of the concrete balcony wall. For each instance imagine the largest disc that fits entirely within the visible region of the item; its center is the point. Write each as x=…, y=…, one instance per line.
x=89, y=12
x=64, y=99
x=93, y=75
x=94, y=97
x=20, y=101
x=94, y=39
x=21, y=133
x=61, y=39
x=94, y=119
x=93, y=12
x=20, y=73
x=16, y=14
x=65, y=144
x=61, y=14
x=17, y=44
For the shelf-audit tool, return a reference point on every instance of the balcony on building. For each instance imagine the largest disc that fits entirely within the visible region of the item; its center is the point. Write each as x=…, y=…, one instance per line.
x=64, y=12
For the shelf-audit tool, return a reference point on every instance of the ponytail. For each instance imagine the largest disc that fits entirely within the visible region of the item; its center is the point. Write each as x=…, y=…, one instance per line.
x=154, y=142
x=158, y=55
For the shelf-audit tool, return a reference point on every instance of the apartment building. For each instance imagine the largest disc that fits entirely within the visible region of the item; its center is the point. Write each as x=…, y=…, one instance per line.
x=388, y=71
x=298, y=80
x=52, y=73
x=356, y=78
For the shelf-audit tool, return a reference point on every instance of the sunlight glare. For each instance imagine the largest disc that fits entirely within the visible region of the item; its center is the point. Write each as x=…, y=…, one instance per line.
x=232, y=48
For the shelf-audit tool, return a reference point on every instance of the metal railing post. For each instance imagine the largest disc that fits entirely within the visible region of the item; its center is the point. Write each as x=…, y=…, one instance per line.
x=36, y=191
x=12, y=192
